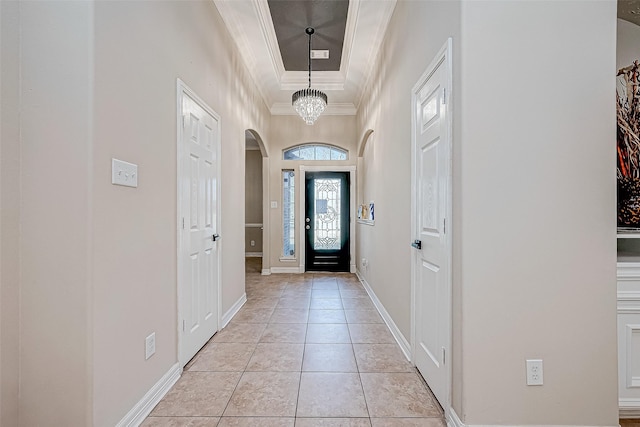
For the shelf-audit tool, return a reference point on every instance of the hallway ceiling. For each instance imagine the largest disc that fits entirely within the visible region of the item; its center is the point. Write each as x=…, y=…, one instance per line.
x=328, y=18
x=271, y=39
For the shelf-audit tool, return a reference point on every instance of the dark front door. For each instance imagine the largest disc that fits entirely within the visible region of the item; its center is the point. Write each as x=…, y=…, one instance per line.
x=327, y=221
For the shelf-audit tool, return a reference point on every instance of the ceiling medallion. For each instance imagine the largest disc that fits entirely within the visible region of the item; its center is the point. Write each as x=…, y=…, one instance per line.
x=309, y=103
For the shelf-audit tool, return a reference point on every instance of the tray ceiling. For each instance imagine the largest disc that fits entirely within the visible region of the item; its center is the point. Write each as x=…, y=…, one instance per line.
x=270, y=36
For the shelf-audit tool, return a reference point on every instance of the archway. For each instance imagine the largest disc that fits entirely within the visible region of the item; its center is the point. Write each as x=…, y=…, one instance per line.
x=256, y=195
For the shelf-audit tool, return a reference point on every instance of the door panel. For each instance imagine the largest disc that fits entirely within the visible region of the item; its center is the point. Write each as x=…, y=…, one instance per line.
x=327, y=221
x=199, y=254
x=431, y=257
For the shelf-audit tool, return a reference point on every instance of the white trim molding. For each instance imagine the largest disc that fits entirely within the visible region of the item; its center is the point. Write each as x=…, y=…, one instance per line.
x=629, y=408
x=333, y=109
x=182, y=90
x=280, y=270
x=143, y=408
x=393, y=328
x=251, y=27
x=266, y=272
x=444, y=58
x=628, y=271
x=352, y=208
x=233, y=311
x=454, y=421
x=628, y=302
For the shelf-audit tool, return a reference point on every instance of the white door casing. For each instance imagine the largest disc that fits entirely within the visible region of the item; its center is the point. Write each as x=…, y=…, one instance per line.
x=198, y=222
x=352, y=206
x=431, y=225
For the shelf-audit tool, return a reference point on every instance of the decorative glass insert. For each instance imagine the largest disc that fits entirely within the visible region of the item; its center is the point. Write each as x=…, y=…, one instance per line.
x=314, y=152
x=288, y=214
x=327, y=214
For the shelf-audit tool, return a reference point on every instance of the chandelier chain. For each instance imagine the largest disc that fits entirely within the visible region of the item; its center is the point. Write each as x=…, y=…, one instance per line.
x=310, y=32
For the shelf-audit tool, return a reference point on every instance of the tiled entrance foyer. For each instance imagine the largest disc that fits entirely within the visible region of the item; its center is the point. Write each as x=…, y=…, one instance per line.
x=305, y=350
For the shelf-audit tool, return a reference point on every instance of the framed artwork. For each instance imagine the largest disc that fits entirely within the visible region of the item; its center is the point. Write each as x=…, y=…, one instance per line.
x=628, y=146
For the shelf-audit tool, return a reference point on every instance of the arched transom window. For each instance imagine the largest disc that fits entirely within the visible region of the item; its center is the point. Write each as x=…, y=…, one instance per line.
x=314, y=152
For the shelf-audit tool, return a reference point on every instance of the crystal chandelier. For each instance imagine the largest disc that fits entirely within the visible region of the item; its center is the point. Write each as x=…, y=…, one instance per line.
x=309, y=103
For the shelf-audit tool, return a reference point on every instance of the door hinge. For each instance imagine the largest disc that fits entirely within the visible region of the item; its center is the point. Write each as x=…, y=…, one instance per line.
x=444, y=226
x=444, y=356
x=184, y=122
x=444, y=95
x=184, y=325
x=183, y=223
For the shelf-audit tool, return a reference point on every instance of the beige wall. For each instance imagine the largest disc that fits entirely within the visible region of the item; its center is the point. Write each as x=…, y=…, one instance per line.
x=287, y=131
x=97, y=261
x=534, y=230
x=548, y=220
x=9, y=212
x=387, y=162
x=56, y=251
x=369, y=183
x=253, y=200
x=135, y=254
x=534, y=247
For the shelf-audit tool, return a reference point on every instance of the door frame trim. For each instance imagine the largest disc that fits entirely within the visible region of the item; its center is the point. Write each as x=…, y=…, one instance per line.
x=443, y=55
x=352, y=205
x=181, y=90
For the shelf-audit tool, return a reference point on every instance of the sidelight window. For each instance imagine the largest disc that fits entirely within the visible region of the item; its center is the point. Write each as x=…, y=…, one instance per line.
x=288, y=214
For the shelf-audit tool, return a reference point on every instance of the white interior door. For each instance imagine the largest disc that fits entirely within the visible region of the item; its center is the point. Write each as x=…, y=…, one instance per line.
x=432, y=201
x=198, y=256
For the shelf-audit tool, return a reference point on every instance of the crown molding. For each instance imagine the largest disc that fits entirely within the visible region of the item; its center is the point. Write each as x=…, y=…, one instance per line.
x=229, y=15
x=349, y=35
x=375, y=47
x=250, y=25
x=323, y=80
x=333, y=109
x=269, y=33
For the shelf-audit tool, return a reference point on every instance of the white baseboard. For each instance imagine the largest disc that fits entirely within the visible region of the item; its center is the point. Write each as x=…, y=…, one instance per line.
x=629, y=408
x=226, y=318
x=454, y=421
x=402, y=341
x=276, y=270
x=139, y=412
x=253, y=254
x=353, y=269
x=266, y=272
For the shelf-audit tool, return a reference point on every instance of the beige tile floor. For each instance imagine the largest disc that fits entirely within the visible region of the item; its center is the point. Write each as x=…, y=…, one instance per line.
x=306, y=350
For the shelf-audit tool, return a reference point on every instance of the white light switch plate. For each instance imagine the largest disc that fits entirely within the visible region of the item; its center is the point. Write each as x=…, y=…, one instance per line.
x=274, y=204
x=123, y=173
x=150, y=346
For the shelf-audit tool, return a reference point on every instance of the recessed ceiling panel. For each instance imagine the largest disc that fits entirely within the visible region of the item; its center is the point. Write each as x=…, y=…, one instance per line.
x=327, y=17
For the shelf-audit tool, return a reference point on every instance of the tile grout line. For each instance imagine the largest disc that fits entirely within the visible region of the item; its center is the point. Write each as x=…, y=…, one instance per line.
x=239, y=379
x=281, y=292
x=304, y=350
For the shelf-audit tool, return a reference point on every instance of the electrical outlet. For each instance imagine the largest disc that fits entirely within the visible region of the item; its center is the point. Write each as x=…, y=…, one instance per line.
x=253, y=243
x=534, y=372
x=150, y=345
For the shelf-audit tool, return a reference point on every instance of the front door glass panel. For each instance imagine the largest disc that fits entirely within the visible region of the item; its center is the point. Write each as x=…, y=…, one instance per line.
x=327, y=214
